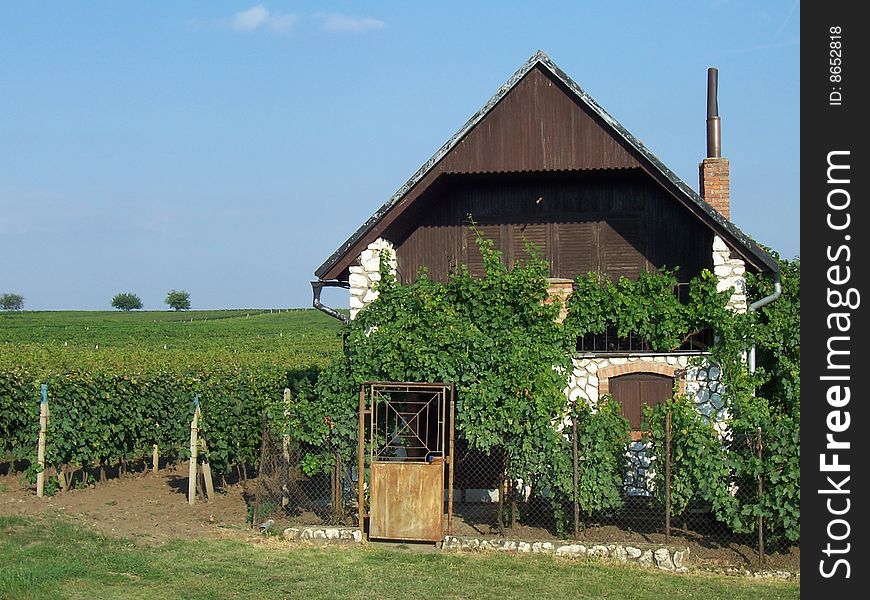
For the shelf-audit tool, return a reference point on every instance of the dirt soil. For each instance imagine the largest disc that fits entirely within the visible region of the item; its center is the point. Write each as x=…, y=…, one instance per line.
x=152, y=509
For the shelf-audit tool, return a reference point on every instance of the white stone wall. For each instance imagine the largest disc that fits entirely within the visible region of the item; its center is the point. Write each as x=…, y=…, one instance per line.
x=583, y=381
x=702, y=384
x=731, y=272
x=367, y=273
x=639, y=474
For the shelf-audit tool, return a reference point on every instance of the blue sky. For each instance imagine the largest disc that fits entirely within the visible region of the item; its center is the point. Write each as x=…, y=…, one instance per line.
x=227, y=148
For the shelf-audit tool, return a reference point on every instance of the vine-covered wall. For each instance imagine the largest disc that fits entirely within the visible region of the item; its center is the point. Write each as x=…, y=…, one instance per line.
x=502, y=345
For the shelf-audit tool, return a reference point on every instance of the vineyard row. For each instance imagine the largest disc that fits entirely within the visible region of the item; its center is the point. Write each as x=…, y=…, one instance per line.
x=109, y=418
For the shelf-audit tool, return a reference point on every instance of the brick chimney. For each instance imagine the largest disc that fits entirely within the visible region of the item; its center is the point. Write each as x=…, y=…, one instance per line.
x=713, y=170
x=715, y=185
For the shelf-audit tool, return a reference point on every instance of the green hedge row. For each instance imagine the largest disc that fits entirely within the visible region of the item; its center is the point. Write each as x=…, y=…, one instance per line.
x=103, y=418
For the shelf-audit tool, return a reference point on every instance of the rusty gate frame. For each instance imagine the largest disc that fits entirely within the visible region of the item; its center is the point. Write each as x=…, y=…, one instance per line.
x=367, y=392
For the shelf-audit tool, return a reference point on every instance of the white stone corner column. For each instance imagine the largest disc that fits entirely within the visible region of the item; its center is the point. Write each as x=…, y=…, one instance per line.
x=731, y=274
x=366, y=273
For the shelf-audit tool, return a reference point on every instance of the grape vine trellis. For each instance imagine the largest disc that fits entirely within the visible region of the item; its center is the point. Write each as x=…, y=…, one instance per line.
x=115, y=390
x=102, y=418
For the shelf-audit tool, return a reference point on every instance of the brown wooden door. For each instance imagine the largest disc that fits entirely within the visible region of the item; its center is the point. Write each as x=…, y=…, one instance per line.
x=636, y=390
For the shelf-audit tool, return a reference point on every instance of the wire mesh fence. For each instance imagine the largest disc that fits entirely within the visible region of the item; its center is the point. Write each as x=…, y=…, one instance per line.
x=642, y=510
x=286, y=494
x=487, y=502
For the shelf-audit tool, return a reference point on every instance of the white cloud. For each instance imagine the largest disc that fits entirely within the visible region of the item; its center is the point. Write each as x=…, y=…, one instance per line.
x=339, y=23
x=258, y=17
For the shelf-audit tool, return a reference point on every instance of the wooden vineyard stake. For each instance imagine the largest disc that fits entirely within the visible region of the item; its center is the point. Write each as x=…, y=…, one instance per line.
x=155, y=460
x=206, y=475
x=209, y=483
x=285, y=453
x=194, y=447
x=40, y=448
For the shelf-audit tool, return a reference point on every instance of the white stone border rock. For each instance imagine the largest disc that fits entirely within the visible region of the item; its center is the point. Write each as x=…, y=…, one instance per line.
x=323, y=534
x=644, y=555
x=666, y=559
x=671, y=559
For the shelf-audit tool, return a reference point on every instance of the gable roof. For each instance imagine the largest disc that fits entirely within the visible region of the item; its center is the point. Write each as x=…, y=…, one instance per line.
x=629, y=152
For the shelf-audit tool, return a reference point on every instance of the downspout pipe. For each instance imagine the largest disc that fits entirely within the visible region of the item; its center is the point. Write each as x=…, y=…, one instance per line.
x=777, y=292
x=317, y=288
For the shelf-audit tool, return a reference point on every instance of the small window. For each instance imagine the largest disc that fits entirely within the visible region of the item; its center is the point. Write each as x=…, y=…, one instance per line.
x=610, y=341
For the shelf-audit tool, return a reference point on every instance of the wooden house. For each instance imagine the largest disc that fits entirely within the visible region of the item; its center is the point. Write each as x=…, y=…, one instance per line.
x=542, y=161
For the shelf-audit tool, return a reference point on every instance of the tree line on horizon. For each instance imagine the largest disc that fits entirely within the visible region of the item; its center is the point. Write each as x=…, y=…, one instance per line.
x=176, y=299
x=11, y=301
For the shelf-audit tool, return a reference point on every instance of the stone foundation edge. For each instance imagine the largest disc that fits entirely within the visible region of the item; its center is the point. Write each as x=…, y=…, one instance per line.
x=674, y=559
x=667, y=559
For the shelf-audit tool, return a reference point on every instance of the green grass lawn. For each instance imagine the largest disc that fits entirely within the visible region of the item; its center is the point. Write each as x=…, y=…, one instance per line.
x=52, y=559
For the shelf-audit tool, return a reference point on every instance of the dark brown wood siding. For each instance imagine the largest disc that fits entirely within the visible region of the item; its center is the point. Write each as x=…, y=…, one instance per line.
x=577, y=242
x=529, y=238
x=618, y=223
x=636, y=390
x=472, y=251
x=537, y=127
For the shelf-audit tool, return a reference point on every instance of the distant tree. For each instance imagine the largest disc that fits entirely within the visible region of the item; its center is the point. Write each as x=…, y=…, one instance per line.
x=11, y=301
x=178, y=300
x=126, y=301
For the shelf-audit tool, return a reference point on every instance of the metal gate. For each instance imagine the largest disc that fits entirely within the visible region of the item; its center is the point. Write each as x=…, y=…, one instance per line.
x=406, y=449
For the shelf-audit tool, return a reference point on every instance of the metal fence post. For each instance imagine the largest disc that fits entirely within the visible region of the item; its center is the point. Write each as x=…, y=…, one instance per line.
x=450, y=476
x=760, y=496
x=576, y=479
x=668, y=474
x=337, y=496
x=255, y=516
x=502, y=490
x=360, y=462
